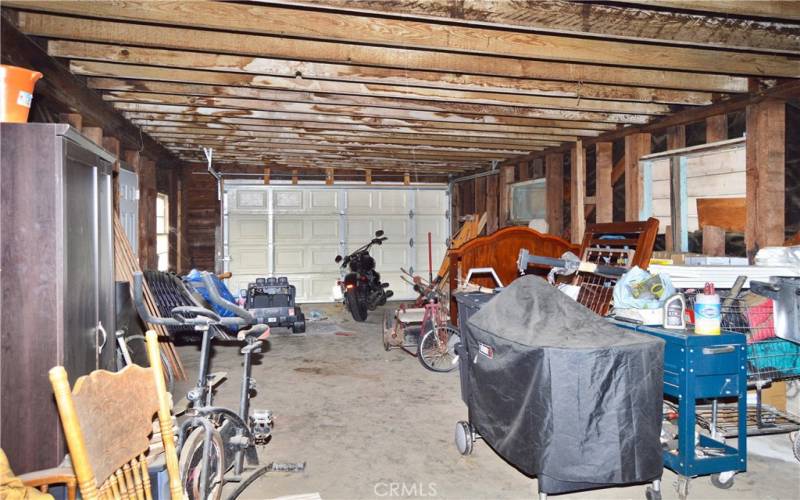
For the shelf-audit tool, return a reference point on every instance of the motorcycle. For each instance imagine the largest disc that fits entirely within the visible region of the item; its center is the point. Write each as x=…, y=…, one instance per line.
x=361, y=287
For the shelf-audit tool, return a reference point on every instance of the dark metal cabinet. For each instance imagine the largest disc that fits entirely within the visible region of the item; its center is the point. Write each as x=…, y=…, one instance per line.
x=56, y=279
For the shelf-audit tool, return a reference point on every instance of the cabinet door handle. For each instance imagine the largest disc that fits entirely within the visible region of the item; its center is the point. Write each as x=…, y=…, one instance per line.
x=722, y=349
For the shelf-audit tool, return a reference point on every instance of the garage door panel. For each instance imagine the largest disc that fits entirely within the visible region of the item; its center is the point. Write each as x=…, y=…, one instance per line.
x=392, y=257
x=292, y=259
x=289, y=230
x=326, y=200
x=248, y=259
x=430, y=202
x=322, y=258
x=288, y=200
x=422, y=258
x=306, y=226
x=325, y=229
x=248, y=200
x=248, y=229
x=393, y=201
x=360, y=201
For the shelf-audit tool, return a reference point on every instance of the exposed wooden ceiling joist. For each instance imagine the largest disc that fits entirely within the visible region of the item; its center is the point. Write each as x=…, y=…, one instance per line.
x=383, y=139
x=364, y=55
x=92, y=59
x=511, y=116
x=179, y=122
x=592, y=19
x=205, y=114
x=521, y=106
x=773, y=9
x=278, y=21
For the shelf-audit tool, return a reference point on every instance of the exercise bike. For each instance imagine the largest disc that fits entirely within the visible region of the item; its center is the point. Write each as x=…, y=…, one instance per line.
x=215, y=442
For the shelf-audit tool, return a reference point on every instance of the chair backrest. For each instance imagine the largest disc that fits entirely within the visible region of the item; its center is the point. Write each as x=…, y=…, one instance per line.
x=625, y=244
x=108, y=419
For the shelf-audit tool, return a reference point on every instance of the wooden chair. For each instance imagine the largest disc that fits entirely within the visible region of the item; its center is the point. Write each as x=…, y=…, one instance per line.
x=107, y=420
x=624, y=244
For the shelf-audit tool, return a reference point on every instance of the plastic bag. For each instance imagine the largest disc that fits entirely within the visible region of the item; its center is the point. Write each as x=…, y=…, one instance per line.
x=624, y=297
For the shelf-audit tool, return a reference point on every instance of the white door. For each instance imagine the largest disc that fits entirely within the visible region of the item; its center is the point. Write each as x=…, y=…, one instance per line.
x=298, y=231
x=129, y=206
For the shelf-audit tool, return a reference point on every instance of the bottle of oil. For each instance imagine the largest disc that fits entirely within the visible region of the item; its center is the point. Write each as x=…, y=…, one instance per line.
x=674, y=312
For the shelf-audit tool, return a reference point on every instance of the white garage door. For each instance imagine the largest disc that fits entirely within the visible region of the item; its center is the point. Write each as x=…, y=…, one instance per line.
x=298, y=231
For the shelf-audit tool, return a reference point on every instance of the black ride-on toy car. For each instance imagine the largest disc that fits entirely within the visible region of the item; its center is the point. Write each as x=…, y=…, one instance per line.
x=272, y=301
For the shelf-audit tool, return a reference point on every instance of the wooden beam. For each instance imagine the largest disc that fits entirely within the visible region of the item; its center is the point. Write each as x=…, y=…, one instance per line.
x=717, y=128
x=766, y=174
x=75, y=120
x=405, y=97
x=406, y=179
x=365, y=55
x=774, y=9
x=636, y=146
x=782, y=91
x=491, y=203
x=506, y=178
x=453, y=112
x=329, y=176
x=63, y=87
x=267, y=20
x=94, y=134
x=554, y=172
x=433, y=130
x=100, y=60
x=577, y=193
x=480, y=195
x=679, y=210
x=612, y=21
x=148, y=258
x=713, y=241
x=266, y=176
x=294, y=176
x=676, y=137
x=352, y=119
x=368, y=177
x=111, y=144
x=604, y=209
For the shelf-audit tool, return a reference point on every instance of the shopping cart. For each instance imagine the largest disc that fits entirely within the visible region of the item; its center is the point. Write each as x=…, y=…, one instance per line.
x=769, y=359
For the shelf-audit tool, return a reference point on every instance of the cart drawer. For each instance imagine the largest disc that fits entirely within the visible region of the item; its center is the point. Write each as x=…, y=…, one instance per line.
x=716, y=359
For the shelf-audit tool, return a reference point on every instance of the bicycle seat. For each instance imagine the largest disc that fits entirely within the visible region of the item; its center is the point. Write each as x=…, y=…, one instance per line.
x=259, y=332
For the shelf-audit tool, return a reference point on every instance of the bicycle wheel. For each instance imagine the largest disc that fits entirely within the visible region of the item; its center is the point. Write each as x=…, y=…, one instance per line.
x=436, y=348
x=137, y=349
x=191, y=465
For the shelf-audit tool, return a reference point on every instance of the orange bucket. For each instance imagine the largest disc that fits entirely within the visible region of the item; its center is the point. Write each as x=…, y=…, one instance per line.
x=17, y=90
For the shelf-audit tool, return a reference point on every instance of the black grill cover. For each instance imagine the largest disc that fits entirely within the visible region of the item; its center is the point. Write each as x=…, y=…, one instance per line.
x=561, y=393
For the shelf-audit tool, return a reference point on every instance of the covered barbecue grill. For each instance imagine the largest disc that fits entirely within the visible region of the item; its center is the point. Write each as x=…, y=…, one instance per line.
x=559, y=392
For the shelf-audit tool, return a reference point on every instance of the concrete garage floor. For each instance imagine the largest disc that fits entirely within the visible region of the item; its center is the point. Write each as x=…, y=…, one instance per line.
x=376, y=424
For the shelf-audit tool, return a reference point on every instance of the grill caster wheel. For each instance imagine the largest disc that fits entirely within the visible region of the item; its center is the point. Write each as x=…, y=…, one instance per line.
x=651, y=494
x=465, y=438
x=682, y=487
x=723, y=480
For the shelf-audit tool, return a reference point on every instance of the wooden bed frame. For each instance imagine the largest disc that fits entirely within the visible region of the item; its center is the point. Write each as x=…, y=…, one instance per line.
x=500, y=251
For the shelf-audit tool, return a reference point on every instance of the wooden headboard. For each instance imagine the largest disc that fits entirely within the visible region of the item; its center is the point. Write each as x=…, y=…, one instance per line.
x=500, y=251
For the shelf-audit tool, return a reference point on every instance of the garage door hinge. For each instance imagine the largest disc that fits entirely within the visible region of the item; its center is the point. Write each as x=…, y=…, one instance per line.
x=410, y=214
x=411, y=242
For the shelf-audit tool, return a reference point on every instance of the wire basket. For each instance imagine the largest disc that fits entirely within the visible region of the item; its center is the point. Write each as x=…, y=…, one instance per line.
x=769, y=358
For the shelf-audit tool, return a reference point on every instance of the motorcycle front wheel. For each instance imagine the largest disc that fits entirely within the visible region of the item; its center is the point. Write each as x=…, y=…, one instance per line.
x=357, y=304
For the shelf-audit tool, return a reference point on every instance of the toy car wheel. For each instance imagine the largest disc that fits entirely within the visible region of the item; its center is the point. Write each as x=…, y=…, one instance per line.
x=723, y=480
x=299, y=327
x=465, y=438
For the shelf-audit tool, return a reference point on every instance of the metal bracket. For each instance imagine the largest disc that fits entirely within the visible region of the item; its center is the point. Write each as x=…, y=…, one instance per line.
x=411, y=242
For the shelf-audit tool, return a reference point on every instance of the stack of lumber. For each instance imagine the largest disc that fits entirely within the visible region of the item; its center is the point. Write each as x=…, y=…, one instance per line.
x=472, y=228
x=125, y=264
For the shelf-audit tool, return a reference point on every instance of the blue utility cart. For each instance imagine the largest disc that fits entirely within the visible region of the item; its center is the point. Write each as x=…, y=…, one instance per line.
x=702, y=367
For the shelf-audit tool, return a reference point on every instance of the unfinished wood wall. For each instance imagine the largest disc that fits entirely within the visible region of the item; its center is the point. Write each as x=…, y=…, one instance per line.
x=202, y=217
